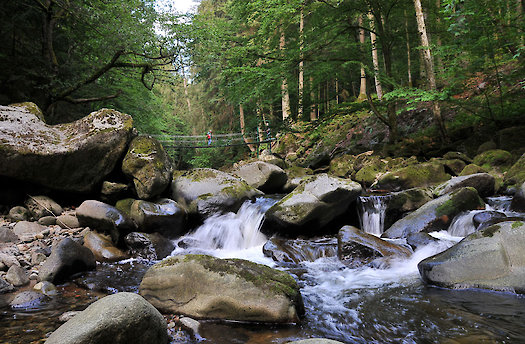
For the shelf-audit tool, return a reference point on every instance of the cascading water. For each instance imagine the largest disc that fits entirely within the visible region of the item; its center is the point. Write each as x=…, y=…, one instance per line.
x=372, y=213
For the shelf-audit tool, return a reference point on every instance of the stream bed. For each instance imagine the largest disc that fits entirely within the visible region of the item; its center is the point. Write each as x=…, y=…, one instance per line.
x=363, y=305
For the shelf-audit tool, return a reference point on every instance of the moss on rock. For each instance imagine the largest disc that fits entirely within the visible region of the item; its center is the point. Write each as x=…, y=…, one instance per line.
x=496, y=158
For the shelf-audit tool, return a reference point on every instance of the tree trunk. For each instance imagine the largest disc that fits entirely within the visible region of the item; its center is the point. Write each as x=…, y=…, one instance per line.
x=409, y=62
x=243, y=129
x=429, y=66
x=301, y=66
x=284, y=85
x=375, y=59
x=362, y=88
x=313, y=110
x=438, y=36
x=188, y=101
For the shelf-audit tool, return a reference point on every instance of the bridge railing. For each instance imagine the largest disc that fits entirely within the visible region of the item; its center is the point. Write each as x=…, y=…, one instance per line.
x=218, y=140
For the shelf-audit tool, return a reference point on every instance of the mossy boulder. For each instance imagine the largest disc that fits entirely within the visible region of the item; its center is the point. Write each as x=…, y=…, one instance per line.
x=370, y=170
x=457, y=155
x=497, y=159
x=516, y=174
x=147, y=165
x=263, y=176
x=32, y=108
x=164, y=216
x=518, y=200
x=472, y=169
x=73, y=157
x=204, y=287
x=342, y=166
x=484, y=183
x=454, y=166
x=318, y=200
x=295, y=175
x=268, y=157
x=436, y=214
x=418, y=175
x=205, y=191
x=492, y=258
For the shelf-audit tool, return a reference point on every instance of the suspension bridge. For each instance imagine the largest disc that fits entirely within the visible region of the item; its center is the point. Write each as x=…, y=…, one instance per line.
x=175, y=143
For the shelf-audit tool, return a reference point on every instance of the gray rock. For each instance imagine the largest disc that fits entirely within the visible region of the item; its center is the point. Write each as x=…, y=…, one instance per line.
x=66, y=316
x=7, y=235
x=120, y=318
x=68, y=221
x=419, y=239
x=205, y=191
x=26, y=300
x=300, y=250
x=66, y=259
x=205, y=287
x=190, y=324
x=518, y=200
x=46, y=288
x=104, y=218
x=40, y=206
x=37, y=258
x=151, y=246
x=5, y=287
x=19, y=213
x=8, y=259
x=492, y=258
x=17, y=276
x=103, y=248
x=417, y=175
x=482, y=182
x=356, y=248
x=47, y=221
x=147, y=165
x=27, y=231
x=266, y=177
x=273, y=159
x=484, y=216
x=436, y=214
x=313, y=204
x=164, y=216
x=457, y=155
x=88, y=149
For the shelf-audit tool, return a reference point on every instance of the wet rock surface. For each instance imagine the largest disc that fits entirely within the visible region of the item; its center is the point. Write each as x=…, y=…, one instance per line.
x=263, y=176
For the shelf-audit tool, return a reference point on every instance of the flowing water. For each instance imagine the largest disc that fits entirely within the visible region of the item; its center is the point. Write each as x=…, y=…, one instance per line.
x=364, y=305
x=372, y=214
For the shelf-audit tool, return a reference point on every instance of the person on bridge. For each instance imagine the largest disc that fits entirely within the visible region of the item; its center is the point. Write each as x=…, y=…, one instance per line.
x=209, y=137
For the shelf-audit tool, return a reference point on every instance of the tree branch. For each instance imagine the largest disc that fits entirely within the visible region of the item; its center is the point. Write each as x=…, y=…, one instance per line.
x=89, y=100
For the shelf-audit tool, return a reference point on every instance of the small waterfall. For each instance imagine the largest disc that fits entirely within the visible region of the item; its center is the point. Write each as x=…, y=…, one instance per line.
x=372, y=213
x=462, y=224
x=229, y=232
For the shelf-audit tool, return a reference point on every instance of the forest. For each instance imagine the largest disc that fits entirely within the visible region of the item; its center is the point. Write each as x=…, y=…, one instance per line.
x=424, y=68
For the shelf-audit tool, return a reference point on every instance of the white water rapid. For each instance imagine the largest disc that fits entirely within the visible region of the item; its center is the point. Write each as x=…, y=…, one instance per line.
x=372, y=214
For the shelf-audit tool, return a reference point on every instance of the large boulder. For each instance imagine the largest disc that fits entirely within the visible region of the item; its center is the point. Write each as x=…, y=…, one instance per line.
x=494, y=159
x=67, y=258
x=120, y=318
x=518, y=200
x=205, y=287
x=263, y=176
x=313, y=204
x=436, y=214
x=104, y=218
x=164, y=216
x=206, y=191
x=484, y=183
x=88, y=149
x=492, y=258
x=356, y=248
x=419, y=175
x=147, y=165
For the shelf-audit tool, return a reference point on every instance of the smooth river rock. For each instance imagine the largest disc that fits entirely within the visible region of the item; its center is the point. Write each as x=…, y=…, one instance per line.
x=41, y=206
x=88, y=149
x=164, y=216
x=313, y=204
x=67, y=258
x=205, y=191
x=483, y=182
x=436, y=214
x=103, y=248
x=121, y=318
x=205, y=287
x=492, y=258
